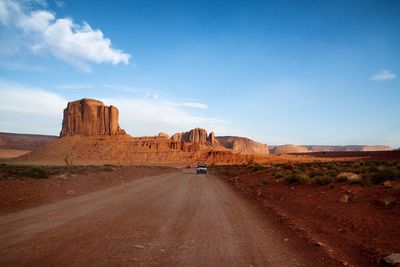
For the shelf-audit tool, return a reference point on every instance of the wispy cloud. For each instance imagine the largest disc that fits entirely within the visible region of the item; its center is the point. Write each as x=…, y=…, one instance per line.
x=195, y=105
x=59, y=3
x=24, y=108
x=19, y=98
x=74, y=86
x=78, y=45
x=383, y=75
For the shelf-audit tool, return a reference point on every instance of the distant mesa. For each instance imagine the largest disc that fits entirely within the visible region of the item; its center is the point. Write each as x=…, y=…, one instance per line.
x=288, y=149
x=90, y=117
x=243, y=145
x=291, y=149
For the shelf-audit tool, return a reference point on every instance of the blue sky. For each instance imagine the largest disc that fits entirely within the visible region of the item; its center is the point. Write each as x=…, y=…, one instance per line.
x=303, y=72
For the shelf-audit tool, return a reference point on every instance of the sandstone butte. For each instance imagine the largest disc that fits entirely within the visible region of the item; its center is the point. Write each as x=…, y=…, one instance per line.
x=91, y=134
x=90, y=117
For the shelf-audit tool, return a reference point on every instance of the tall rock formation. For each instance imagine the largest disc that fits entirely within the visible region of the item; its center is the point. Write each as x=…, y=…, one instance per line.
x=197, y=135
x=212, y=140
x=243, y=145
x=90, y=117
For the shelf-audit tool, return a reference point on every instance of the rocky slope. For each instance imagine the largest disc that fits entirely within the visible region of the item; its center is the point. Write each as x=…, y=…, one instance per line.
x=90, y=117
x=243, y=145
x=127, y=150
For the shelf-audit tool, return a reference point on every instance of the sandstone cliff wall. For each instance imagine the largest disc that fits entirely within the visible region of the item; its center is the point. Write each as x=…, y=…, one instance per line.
x=197, y=135
x=243, y=145
x=90, y=117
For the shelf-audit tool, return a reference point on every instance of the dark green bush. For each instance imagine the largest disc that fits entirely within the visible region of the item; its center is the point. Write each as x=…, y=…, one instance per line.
x=323, y=180
x=297, y=177
x=36, y=172
x=383, y=175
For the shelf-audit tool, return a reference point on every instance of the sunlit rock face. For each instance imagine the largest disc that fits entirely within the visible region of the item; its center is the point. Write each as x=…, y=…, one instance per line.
x=90, y=117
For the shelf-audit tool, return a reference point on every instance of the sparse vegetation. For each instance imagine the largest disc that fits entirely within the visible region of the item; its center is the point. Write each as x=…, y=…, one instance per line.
x=323, y=180
x=44, y=172
x=35, y=172
x=385, y=175
x=297, y=178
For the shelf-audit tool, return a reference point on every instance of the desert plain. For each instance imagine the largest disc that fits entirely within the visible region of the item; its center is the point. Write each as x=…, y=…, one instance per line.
x=97, y=196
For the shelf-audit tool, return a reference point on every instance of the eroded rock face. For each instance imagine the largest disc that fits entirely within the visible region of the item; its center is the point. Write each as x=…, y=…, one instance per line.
x=161, y=134
x=243, y=145
x=288, y=149
x=197, y=135
x=211, y=140
x=90, y=117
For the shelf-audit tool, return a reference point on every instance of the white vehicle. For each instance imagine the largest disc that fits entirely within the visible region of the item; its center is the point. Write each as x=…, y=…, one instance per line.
x=201, y=169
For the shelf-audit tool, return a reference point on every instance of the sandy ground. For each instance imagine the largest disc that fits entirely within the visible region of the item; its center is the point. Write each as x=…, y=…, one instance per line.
x=359, y=232
x=18, y=194
x=174, y=219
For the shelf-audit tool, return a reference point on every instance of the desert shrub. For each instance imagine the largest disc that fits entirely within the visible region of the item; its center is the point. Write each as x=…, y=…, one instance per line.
x=314, y=174
x=264, y=183
x=323, y=180
x=258, y=167
x=24, y=171
x=279, y=175
x=356, y=164
x=36, y=172
x=297, y=177
x=383, y=175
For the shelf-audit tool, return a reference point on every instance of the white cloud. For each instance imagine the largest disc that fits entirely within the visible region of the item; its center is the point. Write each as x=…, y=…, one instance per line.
x=34, y=110
x=189, y=105
x=59, y=3
x=383, y=75
x=74, y=86
x=78, y=45
x=17, y=98
x=25, y=109
x=143, y=116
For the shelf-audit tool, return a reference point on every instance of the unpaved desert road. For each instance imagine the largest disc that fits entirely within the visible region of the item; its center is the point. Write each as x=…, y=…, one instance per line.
x=178, y=219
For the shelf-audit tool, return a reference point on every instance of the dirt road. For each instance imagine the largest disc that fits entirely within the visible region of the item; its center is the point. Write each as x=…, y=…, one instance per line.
x=178, y=219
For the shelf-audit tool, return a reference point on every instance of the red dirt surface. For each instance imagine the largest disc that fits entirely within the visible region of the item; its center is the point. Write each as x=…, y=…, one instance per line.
x=173, y=219
x=359, y=232
x=17, y=194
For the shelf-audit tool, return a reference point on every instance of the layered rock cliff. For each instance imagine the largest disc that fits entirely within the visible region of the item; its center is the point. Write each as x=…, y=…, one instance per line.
x=243, y=145
x=288, y=149
x=197, y=135
x=90, y=117
x=24, y=141
x=323, y=148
